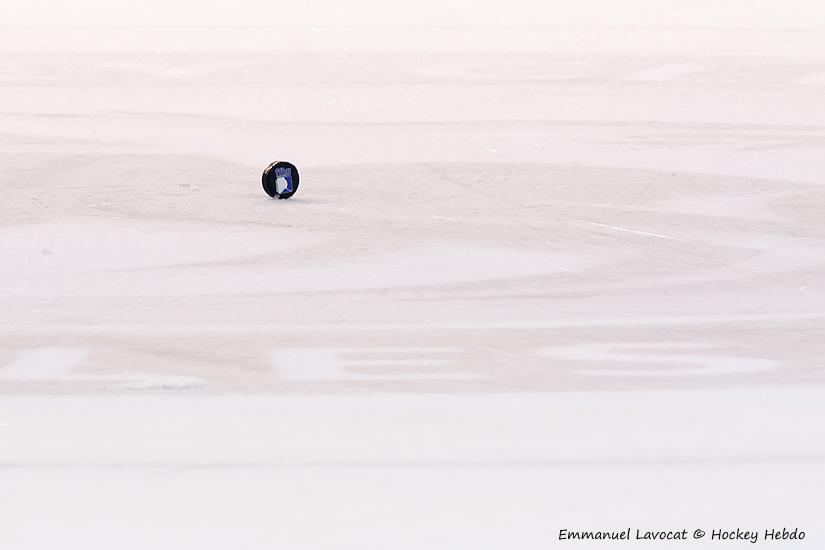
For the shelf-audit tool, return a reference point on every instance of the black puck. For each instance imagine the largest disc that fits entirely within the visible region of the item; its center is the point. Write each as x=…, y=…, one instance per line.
x=281, y=179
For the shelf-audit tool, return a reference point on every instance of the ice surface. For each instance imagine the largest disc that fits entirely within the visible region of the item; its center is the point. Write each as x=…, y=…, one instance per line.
x=572, y=279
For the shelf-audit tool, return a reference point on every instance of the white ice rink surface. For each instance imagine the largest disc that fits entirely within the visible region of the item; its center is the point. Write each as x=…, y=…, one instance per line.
x=575, y=283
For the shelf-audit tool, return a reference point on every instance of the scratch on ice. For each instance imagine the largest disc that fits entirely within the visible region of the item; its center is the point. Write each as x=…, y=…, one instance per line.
x=636, y=231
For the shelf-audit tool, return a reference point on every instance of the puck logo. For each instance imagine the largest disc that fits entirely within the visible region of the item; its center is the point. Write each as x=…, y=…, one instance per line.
x=283, y=180
x=280, y=180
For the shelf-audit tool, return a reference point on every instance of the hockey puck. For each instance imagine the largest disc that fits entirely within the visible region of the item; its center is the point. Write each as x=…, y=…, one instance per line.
x=280, y=179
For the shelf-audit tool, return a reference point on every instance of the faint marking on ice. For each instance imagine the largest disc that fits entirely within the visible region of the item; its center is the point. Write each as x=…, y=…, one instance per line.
x=687, y=320
x=337, y=364
x=502, y=352
x=155, y=382
x=655, y=356
x=646, y=233
x=59, y=364
x=663, y=72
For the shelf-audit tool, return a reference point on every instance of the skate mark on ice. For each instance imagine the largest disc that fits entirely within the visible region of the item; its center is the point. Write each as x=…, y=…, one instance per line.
x=350, y=364
x=637, y=232
x=545, y=324
x=656, y=360
x=60, y=364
